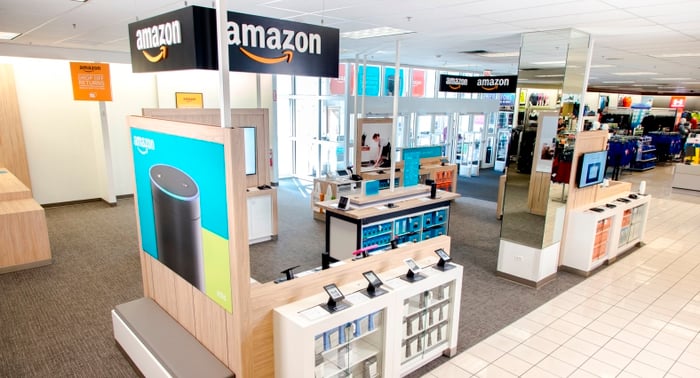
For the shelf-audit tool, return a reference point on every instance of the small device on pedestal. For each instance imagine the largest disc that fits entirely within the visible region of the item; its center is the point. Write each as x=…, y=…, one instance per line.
x=373, y=289
x=444, y=262
x=413, y=273
x=335, y=299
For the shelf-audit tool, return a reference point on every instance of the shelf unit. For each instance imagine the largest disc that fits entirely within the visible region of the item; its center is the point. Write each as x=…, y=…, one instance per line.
x=594, y=238
x=646, y=155
x=359, y=341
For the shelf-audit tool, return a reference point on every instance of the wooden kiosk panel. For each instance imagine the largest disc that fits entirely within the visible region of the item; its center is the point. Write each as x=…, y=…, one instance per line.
x=13, y=153
x=24, y=235
x=220, y=332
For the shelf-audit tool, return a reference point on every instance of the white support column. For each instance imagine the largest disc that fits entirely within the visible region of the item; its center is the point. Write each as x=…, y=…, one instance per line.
x=224, y=74
x=395, y=114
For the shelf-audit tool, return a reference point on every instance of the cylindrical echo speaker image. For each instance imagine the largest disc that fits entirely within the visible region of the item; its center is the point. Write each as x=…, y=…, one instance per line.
x=178, y=222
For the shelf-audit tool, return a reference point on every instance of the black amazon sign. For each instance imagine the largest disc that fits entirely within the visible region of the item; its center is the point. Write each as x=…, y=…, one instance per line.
x=478, y=84
x=186, y=39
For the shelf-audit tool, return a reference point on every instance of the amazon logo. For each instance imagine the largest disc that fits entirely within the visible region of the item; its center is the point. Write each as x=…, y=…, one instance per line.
x=159, y=36
x=492, y=83
x=283, y=43
x=455, y=83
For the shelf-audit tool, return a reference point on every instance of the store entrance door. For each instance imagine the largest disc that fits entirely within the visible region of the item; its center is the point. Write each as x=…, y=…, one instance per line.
x=470, y=141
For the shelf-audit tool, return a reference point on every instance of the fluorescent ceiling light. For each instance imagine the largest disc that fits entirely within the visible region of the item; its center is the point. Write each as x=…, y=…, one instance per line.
x=640, y=73
x=8, y=35
x=383, y=31
x=552, y=75
x=499, y=54
x=619, y=82
x=691, y=82
x=552, y=62
x=602, y=65
x=676, y=55
x=80, y=1
x=645, y=85
x=671, y=78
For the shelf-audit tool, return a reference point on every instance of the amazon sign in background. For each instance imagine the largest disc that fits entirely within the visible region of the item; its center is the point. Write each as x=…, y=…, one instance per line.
x=186, y=39
x=478, y=84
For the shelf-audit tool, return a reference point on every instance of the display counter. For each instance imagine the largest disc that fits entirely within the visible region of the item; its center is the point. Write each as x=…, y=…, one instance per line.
x=338, y=187
x=24, y=235
x=686, y=176
x=604, y=230
x=372, y=222
x=364, y=340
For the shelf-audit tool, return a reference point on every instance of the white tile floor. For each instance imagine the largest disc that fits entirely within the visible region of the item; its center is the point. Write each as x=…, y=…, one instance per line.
x=639, y=317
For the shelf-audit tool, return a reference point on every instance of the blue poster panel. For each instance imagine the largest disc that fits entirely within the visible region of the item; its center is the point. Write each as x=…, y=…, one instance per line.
x=182, y=208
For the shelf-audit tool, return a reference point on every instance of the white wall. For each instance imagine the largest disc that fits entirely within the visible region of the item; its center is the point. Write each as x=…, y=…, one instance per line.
x=64, y=137
x=243, y=87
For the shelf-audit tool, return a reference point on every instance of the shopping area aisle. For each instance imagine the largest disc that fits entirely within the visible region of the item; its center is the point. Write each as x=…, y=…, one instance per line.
x=639, y=317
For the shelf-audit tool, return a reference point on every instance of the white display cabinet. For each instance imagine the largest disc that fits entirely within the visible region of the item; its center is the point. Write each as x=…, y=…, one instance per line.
x=594, y=238
x=364, y=340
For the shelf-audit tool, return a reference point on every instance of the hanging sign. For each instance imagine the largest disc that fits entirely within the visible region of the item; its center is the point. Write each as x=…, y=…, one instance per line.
x=268, y=45
x=677, y=102
x=179, y=40
x=478, y=84
x=90, y=81
x=186, y=39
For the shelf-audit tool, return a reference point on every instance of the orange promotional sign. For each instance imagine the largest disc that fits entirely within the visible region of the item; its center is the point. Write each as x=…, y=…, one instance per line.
x=189, y=100
x=90, y=81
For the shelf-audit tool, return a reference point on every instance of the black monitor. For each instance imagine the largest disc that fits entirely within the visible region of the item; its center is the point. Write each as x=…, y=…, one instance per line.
x=591, y=168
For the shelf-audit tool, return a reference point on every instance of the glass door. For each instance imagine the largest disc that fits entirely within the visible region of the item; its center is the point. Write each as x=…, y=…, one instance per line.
x=465, y=144
x=488, y=152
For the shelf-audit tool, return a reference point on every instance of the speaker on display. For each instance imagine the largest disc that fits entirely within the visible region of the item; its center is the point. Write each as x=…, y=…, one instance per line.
x=178, y=223
x=433, y=188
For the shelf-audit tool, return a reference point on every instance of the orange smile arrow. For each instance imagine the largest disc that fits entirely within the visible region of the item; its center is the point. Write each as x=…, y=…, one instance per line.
x=455, y=87
x=155, y=59
x=287, y=56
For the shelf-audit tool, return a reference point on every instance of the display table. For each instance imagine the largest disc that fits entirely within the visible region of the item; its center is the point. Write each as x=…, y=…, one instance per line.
x=389, y=335
x=262, y=214
x=686, y=176
x=371, y=223
x=339, y=187
x=24, y=234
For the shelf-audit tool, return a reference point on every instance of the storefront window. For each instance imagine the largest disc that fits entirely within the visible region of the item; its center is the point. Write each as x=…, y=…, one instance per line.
x=388, y=81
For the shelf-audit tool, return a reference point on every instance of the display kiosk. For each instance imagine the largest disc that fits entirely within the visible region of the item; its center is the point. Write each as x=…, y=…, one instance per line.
x=232, y=318
x=407, y=214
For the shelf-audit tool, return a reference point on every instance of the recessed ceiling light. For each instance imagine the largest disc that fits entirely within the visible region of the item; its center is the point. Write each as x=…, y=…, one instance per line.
x=619, y=82
x=644, y=85
x=9, y=35
x=641, y=73
x=499, y=54
x=551, y=62
x=383, y=31
x=602, y=65
x=676, y=55
x=80, y=1
x=671, y=78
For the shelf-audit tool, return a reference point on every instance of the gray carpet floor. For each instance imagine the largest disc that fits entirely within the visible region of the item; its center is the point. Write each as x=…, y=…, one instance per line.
x=55, y=320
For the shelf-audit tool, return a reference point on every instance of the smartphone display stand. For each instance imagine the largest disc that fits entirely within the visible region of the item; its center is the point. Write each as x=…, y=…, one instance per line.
x=373, y=286
x=443, y=265
x=410, y=276
x=334, y=306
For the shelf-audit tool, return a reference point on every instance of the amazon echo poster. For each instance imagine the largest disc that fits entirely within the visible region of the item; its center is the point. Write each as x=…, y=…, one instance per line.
x=182, y=208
